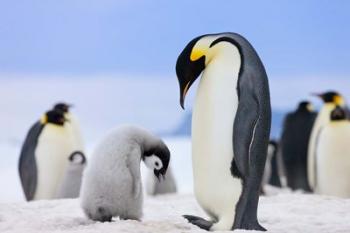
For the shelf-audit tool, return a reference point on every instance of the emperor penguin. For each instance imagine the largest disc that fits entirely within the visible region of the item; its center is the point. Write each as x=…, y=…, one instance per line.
x=272, y=166
x=73, y=122
x=333, y=156
x=44, y=156
x=294, y=144
x=70, y=186
x=331, y=99
x=230, y=128
x=167, y=185
x=112, y=181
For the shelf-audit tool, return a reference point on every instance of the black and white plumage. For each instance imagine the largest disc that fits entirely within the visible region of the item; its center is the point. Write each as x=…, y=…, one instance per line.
x=70, y=186
x=294, y=144
x=331, y=99
x=44, y=156
x=112, y=181
x=166, y=185
x=230, y=128
x=272, y=166
x=333, y=156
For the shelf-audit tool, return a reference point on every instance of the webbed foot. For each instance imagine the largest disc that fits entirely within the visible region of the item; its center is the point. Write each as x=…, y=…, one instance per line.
x=199, y=222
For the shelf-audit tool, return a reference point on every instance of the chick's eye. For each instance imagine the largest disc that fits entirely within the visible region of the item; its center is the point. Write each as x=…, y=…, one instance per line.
x=156, y=163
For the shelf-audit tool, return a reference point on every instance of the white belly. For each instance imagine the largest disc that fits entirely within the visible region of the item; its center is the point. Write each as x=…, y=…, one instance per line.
x=333, y=160
x=216, y=190
x=321, y=120
x=54, y=147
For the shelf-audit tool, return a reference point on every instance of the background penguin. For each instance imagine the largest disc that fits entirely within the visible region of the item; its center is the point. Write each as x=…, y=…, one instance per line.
x=166, y=185
x=331, y=99
x=272, y=166
x=294, y=144
x=230, y=128
x=333, y=156
x=112, y=180
x=44, y=156
x=70, y=186
x=73, y=122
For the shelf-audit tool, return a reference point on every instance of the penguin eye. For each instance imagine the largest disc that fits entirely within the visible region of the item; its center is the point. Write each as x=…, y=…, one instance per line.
x=156, y=164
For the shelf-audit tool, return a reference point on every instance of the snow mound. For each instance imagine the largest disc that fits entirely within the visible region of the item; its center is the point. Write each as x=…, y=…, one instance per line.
x=284, y=212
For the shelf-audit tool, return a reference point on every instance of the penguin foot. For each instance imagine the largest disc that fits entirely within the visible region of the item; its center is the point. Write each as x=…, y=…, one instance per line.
x=199, y=222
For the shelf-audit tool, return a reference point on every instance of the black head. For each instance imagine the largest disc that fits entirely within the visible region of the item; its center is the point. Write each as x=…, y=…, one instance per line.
x=54, y=117
x=331, y=97
x=62, y=107
x=196, y=55
x=305, y=106
x=338, y=114
x=77, y=157
x=187, y=70
x=157, y=158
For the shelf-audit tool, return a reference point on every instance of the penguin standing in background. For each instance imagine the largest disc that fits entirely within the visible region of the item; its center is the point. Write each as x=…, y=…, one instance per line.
x=112, y=180
x=230, y=128
x=44, y=156
x=272, y=167
x=331, y=99
x=294, y=144
x=333, y=156
x=73, y=122
x=167, y=185
x=70, y=186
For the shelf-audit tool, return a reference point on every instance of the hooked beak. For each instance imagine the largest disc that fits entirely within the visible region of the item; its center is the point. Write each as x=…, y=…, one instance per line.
x=159, y=175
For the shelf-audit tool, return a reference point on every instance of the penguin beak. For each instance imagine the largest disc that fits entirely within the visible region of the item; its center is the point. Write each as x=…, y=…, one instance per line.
x=189, y=66
x=159, y=175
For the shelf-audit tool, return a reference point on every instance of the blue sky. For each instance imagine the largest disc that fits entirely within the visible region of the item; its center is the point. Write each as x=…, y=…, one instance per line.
x=145, y=37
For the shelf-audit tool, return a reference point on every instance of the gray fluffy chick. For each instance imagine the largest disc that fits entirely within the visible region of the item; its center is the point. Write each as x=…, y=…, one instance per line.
x=112, y=181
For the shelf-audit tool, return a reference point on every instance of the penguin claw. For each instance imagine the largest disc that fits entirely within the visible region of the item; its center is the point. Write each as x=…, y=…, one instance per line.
x=199, y=222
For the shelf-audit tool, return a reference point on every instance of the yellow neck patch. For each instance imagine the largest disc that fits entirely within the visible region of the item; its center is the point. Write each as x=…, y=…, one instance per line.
x=338, y=100
x=43, y=119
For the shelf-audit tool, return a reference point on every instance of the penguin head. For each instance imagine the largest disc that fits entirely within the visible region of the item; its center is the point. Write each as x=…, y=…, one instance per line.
x=157, y=159
x=55, y=117
x=338, y=114
x=198, y=53
x=64, y=107
x=77, y=157
x=331, y=97
x=305, y=106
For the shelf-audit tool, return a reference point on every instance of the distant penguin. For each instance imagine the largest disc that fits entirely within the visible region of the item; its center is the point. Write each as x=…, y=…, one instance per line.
x=333, y=156
x=72, y=120
x=166, y=185
x=294, y=144
x=271, y=172
x=70, y=186
x=44, y=156
x=331, y=99
x=230, y=128
x=112, y=180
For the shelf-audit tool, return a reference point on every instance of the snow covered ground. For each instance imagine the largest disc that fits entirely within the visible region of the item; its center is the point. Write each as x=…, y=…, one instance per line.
x=281, y=213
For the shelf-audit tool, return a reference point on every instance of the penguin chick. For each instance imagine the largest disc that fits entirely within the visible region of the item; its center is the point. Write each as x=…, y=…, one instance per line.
x=112, y=180
x=166, y=185
x=70, y=186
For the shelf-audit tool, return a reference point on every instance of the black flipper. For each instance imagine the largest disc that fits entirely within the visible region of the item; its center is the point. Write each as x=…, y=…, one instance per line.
x=199, y=222
x=251, y=131
x=27, y=163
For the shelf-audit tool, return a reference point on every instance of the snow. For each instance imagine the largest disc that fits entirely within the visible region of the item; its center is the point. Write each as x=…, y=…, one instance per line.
x=284, y=212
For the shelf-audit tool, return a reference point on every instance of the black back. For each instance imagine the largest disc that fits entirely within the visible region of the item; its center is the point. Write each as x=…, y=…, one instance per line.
x=294, y=147
x=27, y=163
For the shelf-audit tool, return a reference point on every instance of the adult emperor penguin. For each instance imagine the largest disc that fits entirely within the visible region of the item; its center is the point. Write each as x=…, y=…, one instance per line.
x=331, y=99
x=70, y=186
x=112, y=180
x=333, y=156
x=294, y=144
x=73, y=122
x=44, y=156
x=272, y=166
x=230, y=128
